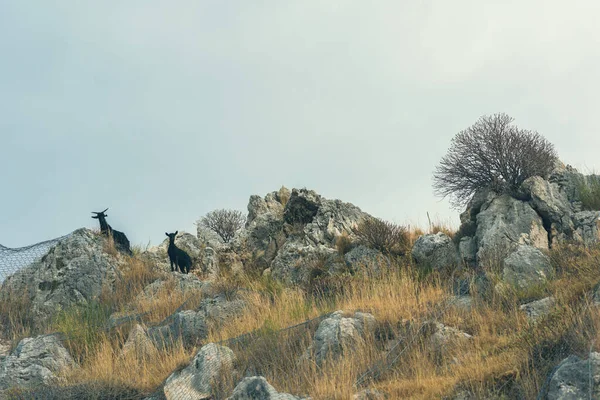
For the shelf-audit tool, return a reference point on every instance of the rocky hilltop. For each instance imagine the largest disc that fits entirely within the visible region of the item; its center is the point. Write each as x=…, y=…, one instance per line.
x=293, y=241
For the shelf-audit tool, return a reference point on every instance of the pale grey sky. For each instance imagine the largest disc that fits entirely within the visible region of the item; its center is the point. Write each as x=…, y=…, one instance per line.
x=166, y=110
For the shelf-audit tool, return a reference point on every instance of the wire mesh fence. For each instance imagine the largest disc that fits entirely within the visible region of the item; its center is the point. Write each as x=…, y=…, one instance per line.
x=12, y=260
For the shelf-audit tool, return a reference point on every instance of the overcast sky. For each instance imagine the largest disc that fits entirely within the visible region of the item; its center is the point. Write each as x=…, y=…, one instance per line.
x=166, y=110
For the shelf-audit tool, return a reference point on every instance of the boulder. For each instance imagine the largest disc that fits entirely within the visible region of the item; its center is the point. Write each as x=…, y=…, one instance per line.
x=257, y=388
x=366, y=259
x=504, y=223
x=188, y=325
x=552, y=205
x=436, y=251
x=273, y=202
x=265, y=235
x=295, y=262
x=333, y=219
x=208, y=237
x=444, y=338
x=338, y=333
x=35, y=362
x=539, y=308
x=467, y=250
x=526, y=267
x=138, y=344
x=212, y=365
x=72, y=273
x=576, y=379
x=587, y=227
x=302, y=206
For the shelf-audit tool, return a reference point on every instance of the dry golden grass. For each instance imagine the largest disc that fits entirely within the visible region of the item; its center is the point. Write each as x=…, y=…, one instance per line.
x=507, y=355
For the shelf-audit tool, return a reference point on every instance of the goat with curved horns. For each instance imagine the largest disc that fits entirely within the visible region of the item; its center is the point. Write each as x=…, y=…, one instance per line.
x=121, y=241
x=178, y=257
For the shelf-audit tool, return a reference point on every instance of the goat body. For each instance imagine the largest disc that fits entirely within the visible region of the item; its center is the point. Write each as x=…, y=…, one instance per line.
x=178, y=258
x=119, y=238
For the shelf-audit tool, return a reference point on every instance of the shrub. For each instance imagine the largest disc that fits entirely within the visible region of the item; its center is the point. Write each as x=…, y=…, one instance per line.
x=588, y=190
x=224, y=223
x=492, y=154
x=384, y=236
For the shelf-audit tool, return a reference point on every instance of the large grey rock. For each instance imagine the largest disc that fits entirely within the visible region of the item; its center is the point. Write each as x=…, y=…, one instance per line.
x=526, y=267
x=208, y=237
x=538, y=309
x=504, y=223
x=302, y=206
x=444, y=338
x=213, y=364
x=257, y=388
x=467, y=250
x=436, y=251
x=295, y=260
x=72, y=273
x=366, y=259
x=338, y=333
x=576, y=379
x=272, y=203
x=587, y=227
x=192, y=326
x=333, y=219
x=138, y=344
x=35, y=362
x=552, y=205
x=265, y=235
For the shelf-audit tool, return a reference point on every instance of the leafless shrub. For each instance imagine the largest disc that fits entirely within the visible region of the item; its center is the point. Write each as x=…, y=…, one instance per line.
x=384, y=236
x=492, y=154
x=224, y=223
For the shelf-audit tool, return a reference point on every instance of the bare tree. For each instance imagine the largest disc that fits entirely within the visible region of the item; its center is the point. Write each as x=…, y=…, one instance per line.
x=224, y=223
x=492, y=154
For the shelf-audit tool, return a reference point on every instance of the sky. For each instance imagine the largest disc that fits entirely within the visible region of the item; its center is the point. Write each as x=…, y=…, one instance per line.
x=163, y=111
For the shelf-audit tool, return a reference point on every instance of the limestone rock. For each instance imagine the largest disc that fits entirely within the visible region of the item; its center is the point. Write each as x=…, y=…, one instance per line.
x=503, y=224
x=526, y=267
x=445, y=338
x=366, y=259
x=72, y=273
x=212, y=364
x=35, y=362
x=139, y=344
x=572, y=379
x=332, y=219
x=302, y=206
x=338, y=333
x=295, y=260
x=537, y=309
x=257, y=388
x=436, y=251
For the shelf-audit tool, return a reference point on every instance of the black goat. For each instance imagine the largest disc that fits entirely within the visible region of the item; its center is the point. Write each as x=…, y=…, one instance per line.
x=180, y=258
x=121, y=241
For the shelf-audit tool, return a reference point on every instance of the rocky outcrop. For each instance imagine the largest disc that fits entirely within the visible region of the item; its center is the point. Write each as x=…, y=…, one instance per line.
x=538, y=309
x=302, y=207
x=212, y=365
x=338, y=333
x=576, y=379
x=527, y=267
x=35, y=362
x=444, y=338
x=333, y=219
x=295, y=261
x=257, y=387
x=138, y=344
x=503, y=224
x=72, y=273
x=362, y=258
x=436, y=251
x=192, y=326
